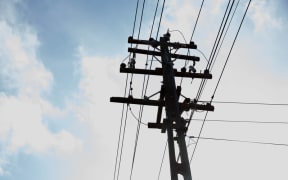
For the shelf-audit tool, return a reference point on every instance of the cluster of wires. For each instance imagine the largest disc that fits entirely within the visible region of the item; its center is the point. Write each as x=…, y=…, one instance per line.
x=227, y=18
x=214, y=53
x=129, y=88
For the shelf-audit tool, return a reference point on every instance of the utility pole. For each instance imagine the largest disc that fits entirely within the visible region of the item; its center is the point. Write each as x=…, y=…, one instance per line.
x=173, y=124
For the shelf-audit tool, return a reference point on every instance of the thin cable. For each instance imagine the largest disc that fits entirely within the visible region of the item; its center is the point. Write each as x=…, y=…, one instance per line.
x=135, y=18
x=162, y=160
x=219, y=35
x=199, y=12
x=215, y=46
x=163, y=5
x=242, y=141
x=120, y=132
x=138, y=125
x=202, y=54
x=248, y=103
x=141, y=107
x=194, y=28
x=139, y=121
x=225, y=35
x=235, y=121
x=231, y=50
x=123, y=107
x=122, y=144
x=220, y=77
x=199, y=135
x=141, y=19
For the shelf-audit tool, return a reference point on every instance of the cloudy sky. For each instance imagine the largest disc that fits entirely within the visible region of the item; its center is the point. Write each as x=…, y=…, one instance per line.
x=60, y=64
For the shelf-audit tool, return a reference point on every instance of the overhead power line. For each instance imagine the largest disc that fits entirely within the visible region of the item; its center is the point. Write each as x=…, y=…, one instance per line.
x=235, y=121
x=145, y=81
x=241, y=141
x=141, y=108
x=231, y=50
x=122, y=144
x=116, y=168
x=222, y=41
x=162, y=160
x=249, y=103
x=217, y=85
x=199, y=12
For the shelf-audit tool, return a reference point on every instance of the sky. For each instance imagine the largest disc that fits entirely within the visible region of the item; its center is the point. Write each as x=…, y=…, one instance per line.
x=60, y=65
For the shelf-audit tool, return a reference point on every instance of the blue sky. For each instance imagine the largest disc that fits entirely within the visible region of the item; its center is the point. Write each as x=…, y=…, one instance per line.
x=60, y=64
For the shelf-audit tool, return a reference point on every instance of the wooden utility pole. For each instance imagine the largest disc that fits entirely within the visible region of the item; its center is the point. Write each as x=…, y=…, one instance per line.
x=169, y=97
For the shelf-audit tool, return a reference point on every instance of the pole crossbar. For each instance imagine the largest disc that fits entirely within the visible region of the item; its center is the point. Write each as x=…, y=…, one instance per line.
x=159, y=72
x=156, y=53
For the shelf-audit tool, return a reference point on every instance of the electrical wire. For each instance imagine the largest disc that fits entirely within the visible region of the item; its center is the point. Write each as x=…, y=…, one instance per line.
x=141, y=107
x=143, y=94
x=218, y=38
x=215, y=46
x=248, y=103
x=243, y=121
x=160, y=20
x=199, y=135
x=122, y=144
x=119, y=137
x=118, y=163
x=194, y=28
x=160, y=169
x=130, y=109
x=221, y=77
x=199, y=12
x=230, y=50
x=225, y=35
x=241, y=141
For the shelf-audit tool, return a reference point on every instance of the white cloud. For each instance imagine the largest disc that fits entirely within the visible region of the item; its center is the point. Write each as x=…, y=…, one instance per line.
x=263, y=15
x=22, y=105
x=22, y=128
x=19, y=61
x=93, y=108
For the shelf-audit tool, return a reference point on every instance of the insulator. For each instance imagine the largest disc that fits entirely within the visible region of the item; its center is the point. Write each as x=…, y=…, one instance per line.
x=183, y=69
x=122, y=65
x=192, y=69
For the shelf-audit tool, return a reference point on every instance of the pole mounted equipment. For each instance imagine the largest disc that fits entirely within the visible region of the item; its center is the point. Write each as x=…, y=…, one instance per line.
x=173, y=124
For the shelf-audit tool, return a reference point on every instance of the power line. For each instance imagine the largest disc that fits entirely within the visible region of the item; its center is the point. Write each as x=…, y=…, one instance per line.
x=241, y=141
x=221, y=76
x=199, y=12
x=118, y=144
x=225, y=34
x=122, y=144
x=196, y=144
x=144, y=90
x=141, y=107
x=235, y=121
x=219, y=35
x=139, y=121
x=215, y=46
x=160, y=20
x=160, y=169
x=135, y=18
x=248, y=103
x=231, y=50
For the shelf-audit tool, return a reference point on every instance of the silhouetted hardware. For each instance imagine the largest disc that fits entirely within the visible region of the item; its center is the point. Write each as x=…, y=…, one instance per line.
x=174, y=125
x=182, y=106
x=159, y=72
x=155, y=43
x=156, y=53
